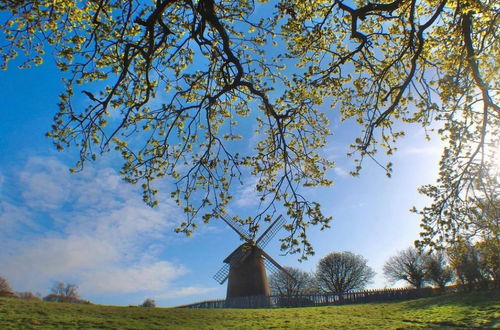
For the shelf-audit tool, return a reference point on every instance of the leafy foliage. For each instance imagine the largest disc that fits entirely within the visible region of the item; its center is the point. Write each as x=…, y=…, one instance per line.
x=474, y=215
x=340, y=272
x=171, y=80
x=437, y=271
x=475, y=264
x=489, y=260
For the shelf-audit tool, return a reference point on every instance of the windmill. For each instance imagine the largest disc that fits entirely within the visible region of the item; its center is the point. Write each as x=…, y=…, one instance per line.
x=245, y=267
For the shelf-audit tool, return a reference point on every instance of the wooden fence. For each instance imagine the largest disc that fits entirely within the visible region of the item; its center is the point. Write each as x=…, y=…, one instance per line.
x=352, y=297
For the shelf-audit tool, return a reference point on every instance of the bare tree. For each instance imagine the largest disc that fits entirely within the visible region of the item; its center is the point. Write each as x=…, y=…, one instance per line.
x=281, y=284
x=64, y=292
x=437, y=270
x=408, y=266
x=343, y=271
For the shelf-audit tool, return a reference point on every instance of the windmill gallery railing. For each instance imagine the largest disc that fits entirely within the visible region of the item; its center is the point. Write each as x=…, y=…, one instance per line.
x=318, y=299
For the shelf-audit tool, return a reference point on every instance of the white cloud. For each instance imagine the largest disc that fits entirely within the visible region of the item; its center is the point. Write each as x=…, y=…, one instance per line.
x=247, y=195
x=424, y=151
x=45, y=183
x=13, y=218
x=341, y=172
x=154, y=277
x=90, y=228
x=185, y=292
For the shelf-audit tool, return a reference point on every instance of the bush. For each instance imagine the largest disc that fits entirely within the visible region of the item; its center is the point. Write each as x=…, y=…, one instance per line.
x=148, y=303
x=65, y=299
x=465, y=260
x=5, y=289
x=27, y=295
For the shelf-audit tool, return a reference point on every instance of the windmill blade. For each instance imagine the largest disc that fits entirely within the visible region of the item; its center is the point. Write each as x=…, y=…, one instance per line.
x=222, y=275
x=271, y=268
x=264, y=239
x=237, y=228
x=273, y=265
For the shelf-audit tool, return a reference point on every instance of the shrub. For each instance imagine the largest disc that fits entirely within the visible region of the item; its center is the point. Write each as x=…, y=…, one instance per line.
x=27, y=295
x=148, y=303
x=5, y=289
x=65, y=299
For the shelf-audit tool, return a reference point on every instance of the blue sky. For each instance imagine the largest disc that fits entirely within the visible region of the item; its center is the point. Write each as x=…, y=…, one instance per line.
x=93, y=229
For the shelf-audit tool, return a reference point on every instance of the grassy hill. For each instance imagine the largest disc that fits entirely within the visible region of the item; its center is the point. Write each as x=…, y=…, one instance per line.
x=467, y=310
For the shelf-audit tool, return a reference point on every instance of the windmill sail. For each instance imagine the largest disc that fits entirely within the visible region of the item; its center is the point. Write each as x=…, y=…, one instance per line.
x=237, y=228
x=264, y=239
x=222, y=275
x=274, y=266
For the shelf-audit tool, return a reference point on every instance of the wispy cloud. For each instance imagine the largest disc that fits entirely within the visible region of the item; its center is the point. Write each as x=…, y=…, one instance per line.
x=247, y=195
x=341, y=172
x=421, y=150
x=152, y=277
x=186, y=292
x=90, y=228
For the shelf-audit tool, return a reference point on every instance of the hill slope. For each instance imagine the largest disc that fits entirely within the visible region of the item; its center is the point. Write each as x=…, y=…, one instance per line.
x=468, y=310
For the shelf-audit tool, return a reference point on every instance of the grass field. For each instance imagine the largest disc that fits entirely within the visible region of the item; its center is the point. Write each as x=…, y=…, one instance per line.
x=468, y=310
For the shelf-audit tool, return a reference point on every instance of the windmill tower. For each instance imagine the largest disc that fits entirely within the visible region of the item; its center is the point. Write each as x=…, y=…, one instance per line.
x=245, y=267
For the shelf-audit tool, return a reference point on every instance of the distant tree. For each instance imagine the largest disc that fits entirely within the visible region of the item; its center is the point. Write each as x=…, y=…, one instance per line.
x=340, y=272
x=281, y=284
x=437, y=271
x=148, y=303
x=408, y=266
x=62, y=292
x=66, y=290
x=5, y=289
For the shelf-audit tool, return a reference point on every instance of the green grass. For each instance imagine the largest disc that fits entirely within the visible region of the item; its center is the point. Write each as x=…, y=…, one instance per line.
x=467, y=310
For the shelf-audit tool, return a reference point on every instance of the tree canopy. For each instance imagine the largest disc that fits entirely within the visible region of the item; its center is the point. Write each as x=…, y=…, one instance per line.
x=341, y=272
x=167, y=84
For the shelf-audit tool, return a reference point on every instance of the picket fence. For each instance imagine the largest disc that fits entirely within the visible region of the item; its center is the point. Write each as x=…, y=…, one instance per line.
x=352, y=297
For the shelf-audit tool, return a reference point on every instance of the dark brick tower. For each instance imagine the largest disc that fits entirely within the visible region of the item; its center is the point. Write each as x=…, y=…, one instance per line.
x=247, y=277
